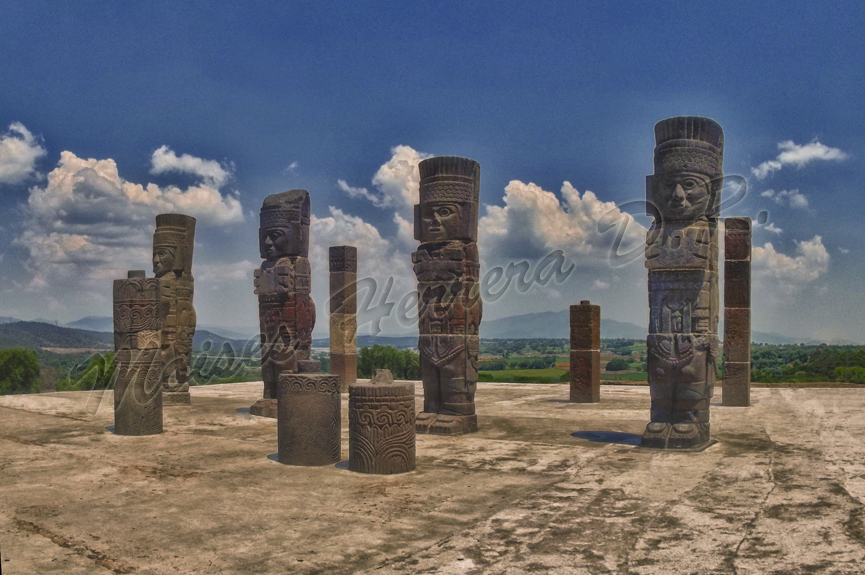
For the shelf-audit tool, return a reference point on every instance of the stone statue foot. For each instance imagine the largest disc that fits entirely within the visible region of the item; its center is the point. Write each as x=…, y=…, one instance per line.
x=688, y=436
x=424, y=420
x=170, y=398
x=656, y=435
x=264, y=408
x=454, y=424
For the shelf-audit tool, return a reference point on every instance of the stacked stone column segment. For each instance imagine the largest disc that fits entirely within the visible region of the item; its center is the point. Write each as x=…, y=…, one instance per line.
x=737, y=312
x=585, y=360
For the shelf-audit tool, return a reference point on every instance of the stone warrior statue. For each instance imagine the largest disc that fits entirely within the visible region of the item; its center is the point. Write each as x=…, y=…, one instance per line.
x=683, y=195
x=173, y=241
x=449, y=304
x=285, y=308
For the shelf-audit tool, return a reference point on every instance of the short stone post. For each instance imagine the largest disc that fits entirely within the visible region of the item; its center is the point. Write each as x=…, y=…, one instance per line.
x=736, y=389
x=381, y=425
x=138, y=316
x=309, y=424
x=343, y=314
x=585, y=353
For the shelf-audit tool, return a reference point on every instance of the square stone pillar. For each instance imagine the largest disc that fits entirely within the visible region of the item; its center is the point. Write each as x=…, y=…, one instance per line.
x=737, y=312
x=343, y=314
x=585, y=353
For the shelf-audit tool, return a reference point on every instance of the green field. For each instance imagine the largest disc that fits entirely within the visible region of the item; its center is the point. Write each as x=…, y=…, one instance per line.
x=549, y=375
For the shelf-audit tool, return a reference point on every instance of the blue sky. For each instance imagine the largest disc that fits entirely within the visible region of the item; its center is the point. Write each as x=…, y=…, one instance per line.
x=113, y=112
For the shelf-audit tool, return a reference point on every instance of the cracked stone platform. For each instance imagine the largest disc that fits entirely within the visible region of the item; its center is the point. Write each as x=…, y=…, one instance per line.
x=545, y=486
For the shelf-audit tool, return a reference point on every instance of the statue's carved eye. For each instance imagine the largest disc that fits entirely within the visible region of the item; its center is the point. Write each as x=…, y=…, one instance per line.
x=444, y=211
x=690, y=183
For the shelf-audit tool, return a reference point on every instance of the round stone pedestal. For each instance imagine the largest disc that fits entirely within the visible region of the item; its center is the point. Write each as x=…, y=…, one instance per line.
x=309, y=424
x=381, y=427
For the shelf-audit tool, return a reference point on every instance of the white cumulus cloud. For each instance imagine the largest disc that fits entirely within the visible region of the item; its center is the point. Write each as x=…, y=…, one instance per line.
x=87, y=223
x=19, y=151
x=533, y=222
x=212, y=172
x=396, y=183
x=793, y=154
x=792, y=198
x=790, y=273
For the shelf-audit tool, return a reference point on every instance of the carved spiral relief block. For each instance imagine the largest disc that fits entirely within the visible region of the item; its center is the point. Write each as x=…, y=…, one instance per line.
x=381, y=421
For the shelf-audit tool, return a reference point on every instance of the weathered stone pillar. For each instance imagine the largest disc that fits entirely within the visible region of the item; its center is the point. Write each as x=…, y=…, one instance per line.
x=285, y=308
x=173, y=242
x=736, y=389
x=682, y=258
x=449, y=303
x=585, y=353
x=381, y=425
x=309, y=425
x=139, y=313
x=343, y=314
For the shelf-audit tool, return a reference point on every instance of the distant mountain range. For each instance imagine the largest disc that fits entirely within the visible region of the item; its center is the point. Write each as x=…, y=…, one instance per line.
x=95, y=332
x=554, y=325
x=40, y=335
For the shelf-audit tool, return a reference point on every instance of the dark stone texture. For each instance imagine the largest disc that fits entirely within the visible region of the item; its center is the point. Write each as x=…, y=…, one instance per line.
x=683, y=196
x=173, y=243
x=585, y=376
x=264, y=408
x=344, y=365
x=139, y=312
x=737, y=335
x=343, y=292
x=585, y=326
x=381, y=420
x=737, y=239
x=282, y=284
x=447, y=267
x=737, y=283
x=343, y=259
x=736, y=388
x=309, y=420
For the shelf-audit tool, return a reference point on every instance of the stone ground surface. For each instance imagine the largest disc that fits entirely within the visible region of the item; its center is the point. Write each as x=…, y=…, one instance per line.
x=545, y=486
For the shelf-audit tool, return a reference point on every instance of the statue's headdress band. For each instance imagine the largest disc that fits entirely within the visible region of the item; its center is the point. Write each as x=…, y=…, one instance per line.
x=689, y=143
x=449, y=179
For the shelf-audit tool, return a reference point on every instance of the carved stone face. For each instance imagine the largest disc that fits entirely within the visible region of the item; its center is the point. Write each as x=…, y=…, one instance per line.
x=682, y=195
x=164, y=258
x=441, y=221
x=275, y=244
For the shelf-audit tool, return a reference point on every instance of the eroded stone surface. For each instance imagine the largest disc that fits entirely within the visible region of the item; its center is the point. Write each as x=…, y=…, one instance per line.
x=737, y=312
x=682, y=259
x=173, y=243
x=381, y=425
x=585, y=352
x=139, y=313
x=309, y=420
x=447, y=267
x=285, y=308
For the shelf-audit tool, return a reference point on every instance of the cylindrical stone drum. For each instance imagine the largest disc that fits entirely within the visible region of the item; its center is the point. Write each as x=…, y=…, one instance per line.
x=309, y=421
x=381, y=428
x=138, y=318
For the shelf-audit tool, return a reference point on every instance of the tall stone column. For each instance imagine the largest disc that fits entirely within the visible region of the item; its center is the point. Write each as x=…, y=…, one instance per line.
x=139, y=312
x=682, y=261
x=449, y=303
x=736, y=390
x=585, y=353
x=343, y=314
x=286, y=311
x=173, y=242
